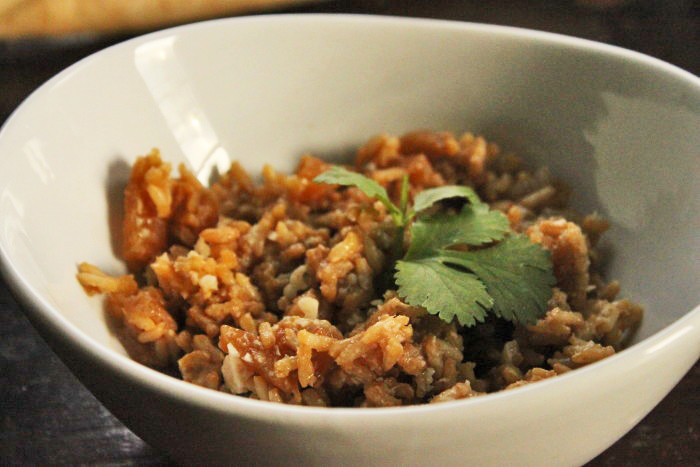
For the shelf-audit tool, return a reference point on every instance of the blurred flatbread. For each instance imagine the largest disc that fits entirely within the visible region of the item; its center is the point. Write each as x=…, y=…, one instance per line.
x=60, y=17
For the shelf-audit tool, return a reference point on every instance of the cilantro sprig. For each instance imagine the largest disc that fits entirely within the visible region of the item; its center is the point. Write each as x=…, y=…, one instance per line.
x=461, y=265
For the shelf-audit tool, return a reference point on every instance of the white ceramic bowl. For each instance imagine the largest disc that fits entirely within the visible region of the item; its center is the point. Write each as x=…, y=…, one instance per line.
x=621, y=127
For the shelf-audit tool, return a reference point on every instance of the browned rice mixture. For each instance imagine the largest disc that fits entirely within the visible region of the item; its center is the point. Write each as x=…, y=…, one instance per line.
x=268, y=290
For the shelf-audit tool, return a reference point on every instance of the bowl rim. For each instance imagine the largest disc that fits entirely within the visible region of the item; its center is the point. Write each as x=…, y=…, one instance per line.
x=46, y=314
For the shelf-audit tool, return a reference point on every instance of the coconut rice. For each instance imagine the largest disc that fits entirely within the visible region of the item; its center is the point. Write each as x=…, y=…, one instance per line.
x=270, y=290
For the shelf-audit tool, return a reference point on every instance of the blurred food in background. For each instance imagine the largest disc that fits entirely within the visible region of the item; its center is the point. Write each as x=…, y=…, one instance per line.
x=31, y=18
x=33, y=31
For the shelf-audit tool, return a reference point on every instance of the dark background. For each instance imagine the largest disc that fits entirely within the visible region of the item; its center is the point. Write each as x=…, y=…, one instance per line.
x=48, y=417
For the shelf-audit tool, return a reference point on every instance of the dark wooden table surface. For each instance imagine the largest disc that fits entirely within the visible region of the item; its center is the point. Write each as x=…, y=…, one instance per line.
x=48, y=417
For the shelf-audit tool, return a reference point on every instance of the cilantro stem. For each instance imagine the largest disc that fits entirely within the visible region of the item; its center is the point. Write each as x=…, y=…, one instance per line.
x=396, y=252
x=403, y=203
x=397, y=246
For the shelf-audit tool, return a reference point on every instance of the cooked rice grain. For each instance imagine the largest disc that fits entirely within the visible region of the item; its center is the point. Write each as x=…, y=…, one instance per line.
x=269, y=290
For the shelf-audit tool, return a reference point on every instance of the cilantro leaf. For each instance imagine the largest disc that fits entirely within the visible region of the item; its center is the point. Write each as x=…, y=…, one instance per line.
x=511, y=278
x=443, y=290
x=427, y=198
x=517, y=274
x=340, y=176
x=474, y=225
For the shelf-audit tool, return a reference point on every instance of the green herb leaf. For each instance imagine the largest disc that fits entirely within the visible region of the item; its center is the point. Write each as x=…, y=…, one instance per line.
x=517, y=274
x=475, y=225
x=340, y=176
x=512, y=277
x=443, y=290
x=427, y=198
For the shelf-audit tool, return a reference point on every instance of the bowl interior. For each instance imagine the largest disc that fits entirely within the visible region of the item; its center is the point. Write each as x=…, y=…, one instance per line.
x=619, y=127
